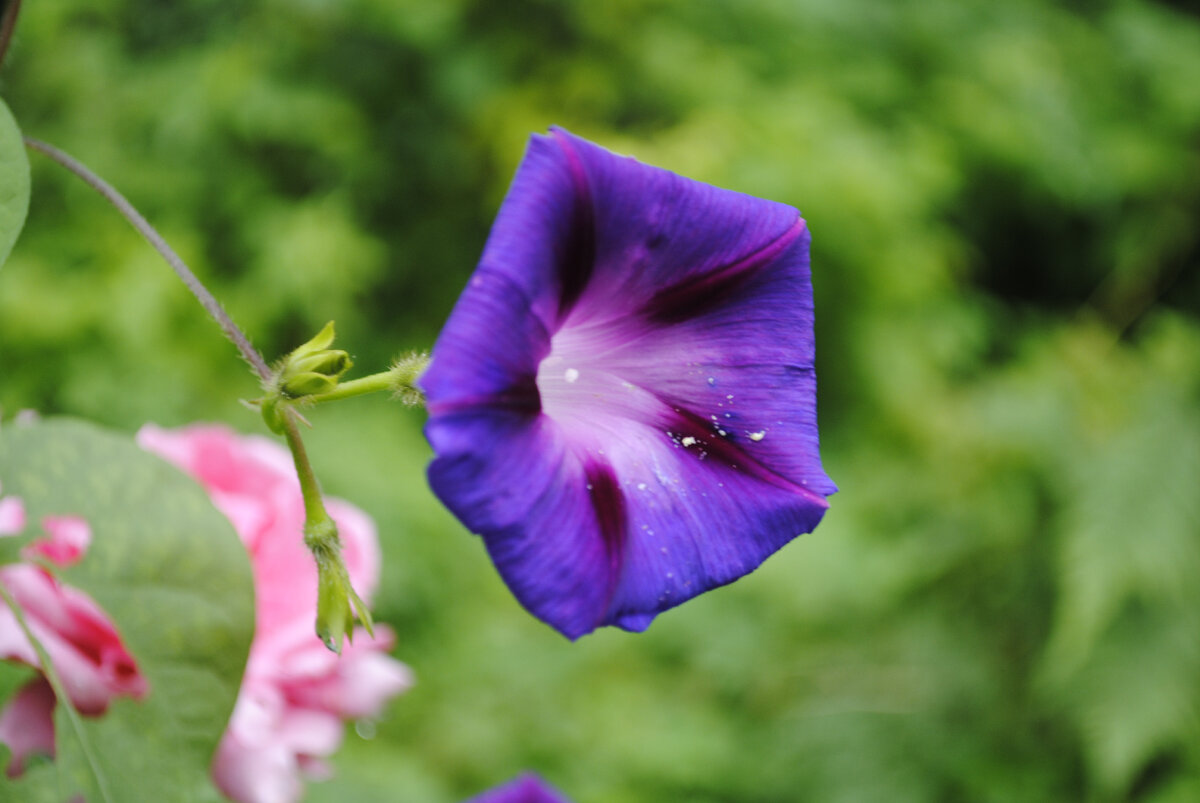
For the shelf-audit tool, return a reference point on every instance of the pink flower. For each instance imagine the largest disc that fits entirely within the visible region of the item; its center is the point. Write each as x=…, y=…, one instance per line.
x=82, y=643
x=295, y=695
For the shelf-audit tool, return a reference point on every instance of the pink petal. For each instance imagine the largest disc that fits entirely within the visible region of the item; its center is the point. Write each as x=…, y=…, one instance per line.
x=85, y=649
x=249, y=774
x=27, y=724
x=67, y=539
x=12, y=515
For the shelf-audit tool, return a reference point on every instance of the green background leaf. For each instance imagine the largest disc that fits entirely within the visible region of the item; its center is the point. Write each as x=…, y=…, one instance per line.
x=172, y=574
x=14, y=182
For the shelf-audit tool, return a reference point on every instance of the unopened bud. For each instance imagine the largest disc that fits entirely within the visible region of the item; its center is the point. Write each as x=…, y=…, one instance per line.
x=337, y=604
x=308, y=384
x=331, y=362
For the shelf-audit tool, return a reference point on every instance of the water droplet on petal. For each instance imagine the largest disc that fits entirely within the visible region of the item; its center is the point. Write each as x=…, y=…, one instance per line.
x=758, y=436
x=571, y=374
x=641, y=486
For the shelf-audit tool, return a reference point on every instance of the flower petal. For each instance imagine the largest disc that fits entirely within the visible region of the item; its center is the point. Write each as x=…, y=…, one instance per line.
x=623, y=402
x=525, y=788
x=27, y=724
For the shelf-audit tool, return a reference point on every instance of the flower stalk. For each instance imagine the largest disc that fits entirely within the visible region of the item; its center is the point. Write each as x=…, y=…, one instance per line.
x=400, y=380
x=337, y=602
x=309, y=373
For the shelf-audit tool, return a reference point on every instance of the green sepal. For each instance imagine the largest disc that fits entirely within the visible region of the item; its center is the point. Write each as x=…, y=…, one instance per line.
x=331, y=362
x=321, y=341
x=307, y=384
x=337, y=602
x=311, y=369
x=272, y=414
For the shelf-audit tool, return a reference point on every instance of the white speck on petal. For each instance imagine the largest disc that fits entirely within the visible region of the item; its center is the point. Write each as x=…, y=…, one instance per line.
x=712, y=380
x=571, y=374
x=641, y=486
x=758, y=436
x=722, y=433
x=688, y=441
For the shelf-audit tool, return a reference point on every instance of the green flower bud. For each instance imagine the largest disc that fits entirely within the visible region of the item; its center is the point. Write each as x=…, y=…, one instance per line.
x=313, y=368
x=307, y=384
x=337, y=603
x=332, y=362
x=335, y=620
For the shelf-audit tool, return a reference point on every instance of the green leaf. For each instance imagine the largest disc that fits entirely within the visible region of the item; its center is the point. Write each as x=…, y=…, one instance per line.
x=171, y=573
x=14, y=182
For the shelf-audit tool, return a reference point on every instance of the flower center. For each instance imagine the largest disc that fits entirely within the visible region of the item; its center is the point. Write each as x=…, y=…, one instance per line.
x=582, y=380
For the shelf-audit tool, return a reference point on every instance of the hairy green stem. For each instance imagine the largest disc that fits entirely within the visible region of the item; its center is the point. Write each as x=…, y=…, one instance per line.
x=206, y=299
x=400, y=380
x=356, y=387
x=60, y=691
x=314, y=505
x=337, y=602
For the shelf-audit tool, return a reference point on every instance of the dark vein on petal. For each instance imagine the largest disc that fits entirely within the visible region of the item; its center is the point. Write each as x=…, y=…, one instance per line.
x=521, y=396
x=608, y=502
x=696, y=295
x=579, y=257
x=702, y=438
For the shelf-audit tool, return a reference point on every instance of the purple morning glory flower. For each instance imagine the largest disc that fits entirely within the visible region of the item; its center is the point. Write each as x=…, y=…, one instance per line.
x=527, y=788
x=623, y=402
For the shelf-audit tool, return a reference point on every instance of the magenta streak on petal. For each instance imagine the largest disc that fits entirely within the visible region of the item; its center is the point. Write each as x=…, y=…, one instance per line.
x=694, y=296
x=609, y=503
x=701, y=438
x=579, y=259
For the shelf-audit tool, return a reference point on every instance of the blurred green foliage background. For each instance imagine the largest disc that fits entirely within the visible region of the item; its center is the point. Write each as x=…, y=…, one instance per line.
x=1003, y=603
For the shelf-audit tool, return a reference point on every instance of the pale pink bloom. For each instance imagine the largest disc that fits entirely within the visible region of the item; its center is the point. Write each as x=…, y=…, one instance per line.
x=82, y=643
x=295, y=695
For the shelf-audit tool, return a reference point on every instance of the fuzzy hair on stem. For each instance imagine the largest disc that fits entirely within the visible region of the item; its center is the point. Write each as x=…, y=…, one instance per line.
x=202, y=294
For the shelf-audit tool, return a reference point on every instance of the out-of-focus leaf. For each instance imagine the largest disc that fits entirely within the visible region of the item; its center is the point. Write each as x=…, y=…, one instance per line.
x=169, y=570
x=14, y=182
